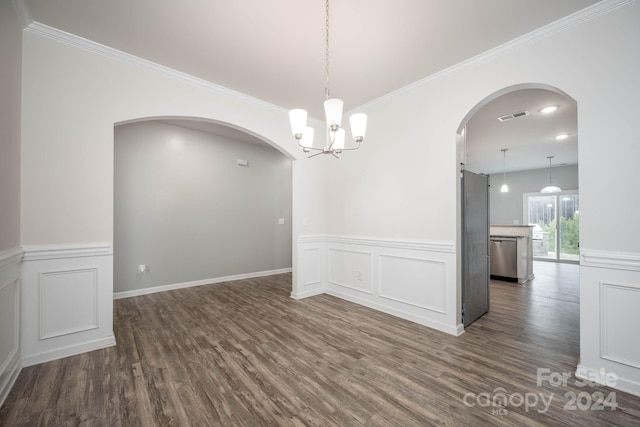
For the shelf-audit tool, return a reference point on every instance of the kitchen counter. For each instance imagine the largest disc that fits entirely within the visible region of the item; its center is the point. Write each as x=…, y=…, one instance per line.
x=511, y=252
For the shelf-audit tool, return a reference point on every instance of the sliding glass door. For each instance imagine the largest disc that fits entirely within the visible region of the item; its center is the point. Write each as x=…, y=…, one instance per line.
x=556, y=218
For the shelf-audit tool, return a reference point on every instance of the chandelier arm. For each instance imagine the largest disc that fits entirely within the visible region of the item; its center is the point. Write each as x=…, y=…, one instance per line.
x=352, y=148
x=306, y=153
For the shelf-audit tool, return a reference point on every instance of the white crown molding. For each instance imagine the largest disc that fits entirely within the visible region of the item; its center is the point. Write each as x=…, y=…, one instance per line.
x=612, y=260
x=10, y=257
x=109, y=52
x=23, y=12
x=548, y=30
x=45, y=252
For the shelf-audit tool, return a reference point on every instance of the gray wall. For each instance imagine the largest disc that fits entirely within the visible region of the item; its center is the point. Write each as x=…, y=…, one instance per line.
x=187, y=210
x=507, y=207
x=10, y=107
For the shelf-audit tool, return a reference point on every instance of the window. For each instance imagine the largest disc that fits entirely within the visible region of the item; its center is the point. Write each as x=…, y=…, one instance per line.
x=556, y=218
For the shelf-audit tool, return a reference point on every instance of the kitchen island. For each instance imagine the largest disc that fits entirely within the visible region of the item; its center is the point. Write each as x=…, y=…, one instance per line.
x=511, y=252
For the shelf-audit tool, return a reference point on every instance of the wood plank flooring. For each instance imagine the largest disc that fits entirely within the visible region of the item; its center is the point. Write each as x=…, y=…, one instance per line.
x=244, y=354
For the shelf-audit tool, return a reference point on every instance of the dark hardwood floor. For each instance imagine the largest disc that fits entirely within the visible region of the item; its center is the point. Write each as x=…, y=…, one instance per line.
x=243, y=353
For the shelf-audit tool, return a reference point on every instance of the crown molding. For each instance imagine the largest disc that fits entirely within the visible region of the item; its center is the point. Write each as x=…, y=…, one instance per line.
x=570, y=21
x=52, y=33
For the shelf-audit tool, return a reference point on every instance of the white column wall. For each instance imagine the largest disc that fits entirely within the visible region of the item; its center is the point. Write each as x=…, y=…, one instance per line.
x=74, y=92
x=402, y=182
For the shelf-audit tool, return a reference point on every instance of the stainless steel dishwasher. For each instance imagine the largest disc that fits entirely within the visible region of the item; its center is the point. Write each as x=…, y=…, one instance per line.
x=504, y=257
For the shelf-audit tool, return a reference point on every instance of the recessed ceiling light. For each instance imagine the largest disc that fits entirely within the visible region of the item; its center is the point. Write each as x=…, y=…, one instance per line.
x=549, y=109
x=562, y=136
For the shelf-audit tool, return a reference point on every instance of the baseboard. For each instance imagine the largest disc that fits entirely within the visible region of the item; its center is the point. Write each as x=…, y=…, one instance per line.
x=596, y=376
x=164, y=288
x=12, y=372
x=307, y=294
x=72, y=350
x=398, y=313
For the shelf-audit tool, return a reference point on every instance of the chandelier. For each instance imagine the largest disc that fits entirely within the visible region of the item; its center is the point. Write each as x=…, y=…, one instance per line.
x=335, y=133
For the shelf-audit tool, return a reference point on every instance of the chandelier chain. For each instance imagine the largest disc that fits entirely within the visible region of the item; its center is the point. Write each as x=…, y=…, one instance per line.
x=326, y=51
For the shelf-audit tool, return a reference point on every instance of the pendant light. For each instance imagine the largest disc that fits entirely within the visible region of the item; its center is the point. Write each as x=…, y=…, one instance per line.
x=505, y=187
x=335, y=134
x=550, y=188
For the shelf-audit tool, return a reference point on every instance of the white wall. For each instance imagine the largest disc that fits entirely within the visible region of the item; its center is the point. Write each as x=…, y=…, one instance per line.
x=505, y=208
x=187, y=210
x=399, y=187
x=10, y=104
x=402, y=183
x=73, y=94
x=10, y=252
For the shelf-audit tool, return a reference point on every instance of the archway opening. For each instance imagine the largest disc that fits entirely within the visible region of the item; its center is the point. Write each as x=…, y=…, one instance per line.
x=197, y=202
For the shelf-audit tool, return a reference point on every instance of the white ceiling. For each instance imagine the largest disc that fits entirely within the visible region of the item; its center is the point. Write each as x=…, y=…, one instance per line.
x=529, y=139
x=275, y=50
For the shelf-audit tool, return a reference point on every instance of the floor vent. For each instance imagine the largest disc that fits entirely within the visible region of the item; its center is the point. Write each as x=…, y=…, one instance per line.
x=513, y=116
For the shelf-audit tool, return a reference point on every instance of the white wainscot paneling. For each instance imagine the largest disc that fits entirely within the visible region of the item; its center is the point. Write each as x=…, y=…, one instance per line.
x=351, y=269
x=9, y=319
x=310, y=263
x=67, y=304
x=620, y=341
x=311, y=266
x=59, y=315
x=415, y=281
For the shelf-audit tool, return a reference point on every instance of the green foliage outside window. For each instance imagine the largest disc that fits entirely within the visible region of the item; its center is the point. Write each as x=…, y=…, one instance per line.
x=569, y=232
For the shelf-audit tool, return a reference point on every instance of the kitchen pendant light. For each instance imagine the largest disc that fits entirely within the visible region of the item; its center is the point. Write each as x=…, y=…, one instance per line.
x=335, y=134
x=550, y=188
x=505, y=187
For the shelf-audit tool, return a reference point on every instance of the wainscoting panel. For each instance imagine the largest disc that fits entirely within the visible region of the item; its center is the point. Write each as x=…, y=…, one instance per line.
x=311, y=262
x=414, y=280
x=351, y=269
x=609, y=301
x=619, y=311
x=67, y=304
x=9, y=319
x=55, y=287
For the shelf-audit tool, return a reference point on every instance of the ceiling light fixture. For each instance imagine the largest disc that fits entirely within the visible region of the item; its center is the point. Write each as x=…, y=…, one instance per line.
x=562, y=136
x=505, y=187
x=549, y=109
x=550, y=188
x=335, y=134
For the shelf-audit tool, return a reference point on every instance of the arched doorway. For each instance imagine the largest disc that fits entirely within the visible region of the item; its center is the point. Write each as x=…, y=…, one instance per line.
x=513, y=119
x=197, y=202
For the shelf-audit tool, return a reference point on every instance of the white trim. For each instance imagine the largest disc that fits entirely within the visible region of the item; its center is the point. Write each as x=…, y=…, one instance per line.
x=71, y=350
x=15, y=366
x=163, y=288
x=420, y=245
x=11, y=257
x=109, y=52
x=585, y=373
x=395, y=312
x=541, y=33
x=612, y=260
x=307, y=294
x=46, y=252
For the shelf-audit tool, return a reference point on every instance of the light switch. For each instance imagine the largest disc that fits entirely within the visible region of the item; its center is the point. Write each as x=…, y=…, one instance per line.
x=280, y=221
